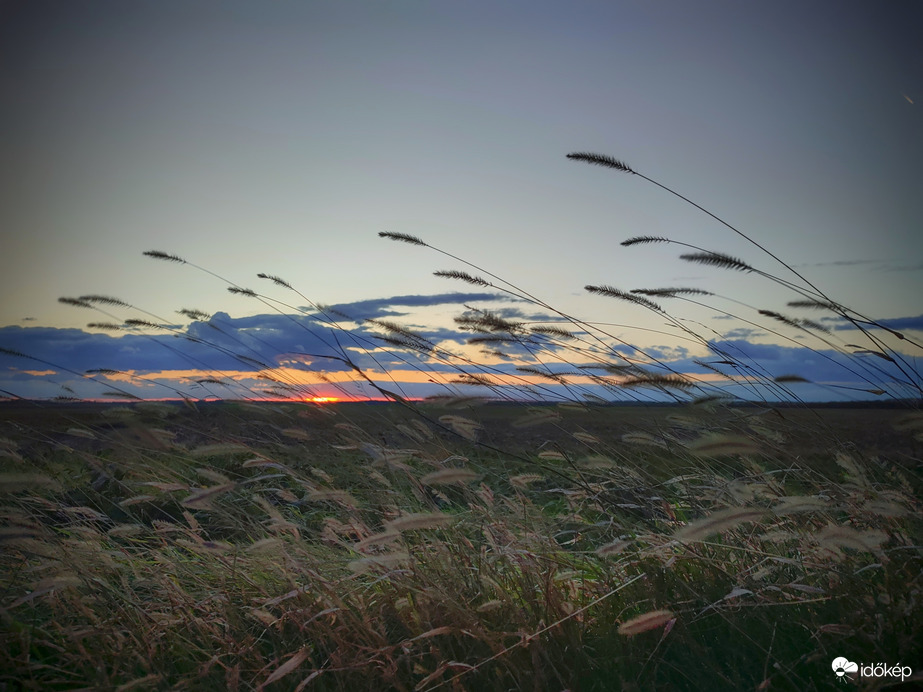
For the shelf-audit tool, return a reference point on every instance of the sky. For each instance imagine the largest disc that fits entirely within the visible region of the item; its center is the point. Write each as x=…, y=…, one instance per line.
x=283, y=137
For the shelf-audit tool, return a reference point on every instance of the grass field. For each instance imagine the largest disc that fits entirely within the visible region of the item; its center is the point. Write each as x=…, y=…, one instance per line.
x=737, y=539
x=496, y=547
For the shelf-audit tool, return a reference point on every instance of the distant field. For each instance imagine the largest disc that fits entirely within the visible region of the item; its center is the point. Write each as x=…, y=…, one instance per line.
x=487, y=547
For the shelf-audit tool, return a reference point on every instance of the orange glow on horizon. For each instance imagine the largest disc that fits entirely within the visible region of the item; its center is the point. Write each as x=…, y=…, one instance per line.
x=324, y=399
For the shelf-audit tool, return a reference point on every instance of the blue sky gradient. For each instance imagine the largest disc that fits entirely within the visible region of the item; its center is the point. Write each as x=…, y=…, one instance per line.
x=282, y=137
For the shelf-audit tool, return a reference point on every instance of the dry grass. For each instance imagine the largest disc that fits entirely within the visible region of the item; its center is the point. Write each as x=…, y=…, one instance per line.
x=453, y=544
x=136, y=575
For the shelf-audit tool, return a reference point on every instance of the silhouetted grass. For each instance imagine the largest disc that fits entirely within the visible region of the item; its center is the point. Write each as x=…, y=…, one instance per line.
x=518, y=532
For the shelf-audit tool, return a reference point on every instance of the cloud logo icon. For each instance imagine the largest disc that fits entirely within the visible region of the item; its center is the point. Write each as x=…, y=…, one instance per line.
x=841, y=666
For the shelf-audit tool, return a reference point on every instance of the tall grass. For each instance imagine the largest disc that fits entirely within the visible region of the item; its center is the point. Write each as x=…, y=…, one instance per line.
x=516, y=532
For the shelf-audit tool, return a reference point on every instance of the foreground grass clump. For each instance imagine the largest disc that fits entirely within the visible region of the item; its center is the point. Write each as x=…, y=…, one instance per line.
x=154, y=548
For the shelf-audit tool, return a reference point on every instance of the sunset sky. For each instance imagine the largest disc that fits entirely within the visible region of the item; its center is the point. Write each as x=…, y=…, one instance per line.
x=282, y=137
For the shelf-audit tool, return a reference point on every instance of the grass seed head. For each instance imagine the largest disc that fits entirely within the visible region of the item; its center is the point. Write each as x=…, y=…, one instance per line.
x=647, y=621
x=716, y=522
x=419, y=521
x=450, y=477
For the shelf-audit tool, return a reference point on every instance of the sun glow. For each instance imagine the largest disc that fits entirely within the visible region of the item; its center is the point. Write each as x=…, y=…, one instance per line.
x=324, y=399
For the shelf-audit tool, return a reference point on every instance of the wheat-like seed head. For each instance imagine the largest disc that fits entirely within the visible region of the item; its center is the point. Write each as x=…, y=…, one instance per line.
x=242, y=291
x=645, y=622
x=553, y=331
x=523, y=480
x=137, y=500
x=553, y=376
x=611, y=292
x=601, y=160
x=643, y=239
x=813, y=304
x=417, y=522
x=473, y=380
x=402, y=237
x=465, y=427
x=800, y=503
x=194, y=314
x=275, y=279
x=549, y=455
x=487, y=321
x=75, y=302
x=339, y=496
x=781, y=318
x=718, y=521
x=450, y=477
x=104, y=300
x=202, y=498
x=613, y=548
x=378, y=539
x=672, y=292
x=811, y=324
x=847, y=537
x=489, y=606
x=586, y=438
x=156, y=254
x=13, y=352
x=717, y=259
x=461, y=276
x=133, y=322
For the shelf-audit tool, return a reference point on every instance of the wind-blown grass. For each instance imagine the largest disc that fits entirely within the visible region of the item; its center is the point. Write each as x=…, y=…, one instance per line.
x=518, y=532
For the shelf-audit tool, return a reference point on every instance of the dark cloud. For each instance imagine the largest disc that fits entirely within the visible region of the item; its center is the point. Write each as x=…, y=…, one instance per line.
x=219, y=347
x=226, y=347
x=876, y=265
x=840, y=263
x=382, y=307
x=896, y=323
x=820, y=366
x=666, y=353
x=904, y=323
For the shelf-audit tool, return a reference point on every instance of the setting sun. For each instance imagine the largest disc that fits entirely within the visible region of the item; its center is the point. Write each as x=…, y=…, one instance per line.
x=324, y=399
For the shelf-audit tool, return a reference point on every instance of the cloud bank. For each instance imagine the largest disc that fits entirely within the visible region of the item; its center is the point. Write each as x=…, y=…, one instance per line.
x=314, y=354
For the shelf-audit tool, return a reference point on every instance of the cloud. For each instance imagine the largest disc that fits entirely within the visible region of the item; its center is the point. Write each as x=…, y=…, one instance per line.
x=381, y=307
x=223, y=348
x=896, y=323
x=840, y=263
x=820, y=366
x=275, y=353
x=904, y=323
x=881, y=265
